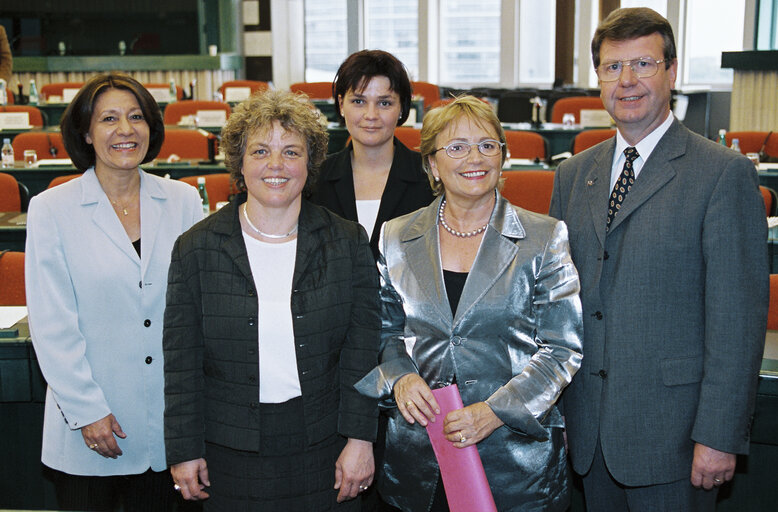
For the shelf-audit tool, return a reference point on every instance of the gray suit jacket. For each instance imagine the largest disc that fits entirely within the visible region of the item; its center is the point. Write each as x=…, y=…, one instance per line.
x=514, y=343
x=675, y=304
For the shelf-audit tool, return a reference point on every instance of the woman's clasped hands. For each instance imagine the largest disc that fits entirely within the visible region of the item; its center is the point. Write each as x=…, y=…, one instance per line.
x=462, y=427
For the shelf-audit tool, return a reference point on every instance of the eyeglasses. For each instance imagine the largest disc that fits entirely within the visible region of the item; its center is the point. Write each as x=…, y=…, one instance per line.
x=488, y=147
x=644, y=67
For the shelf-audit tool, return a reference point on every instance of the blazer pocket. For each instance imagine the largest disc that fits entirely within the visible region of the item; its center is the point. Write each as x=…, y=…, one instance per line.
x=682, y=370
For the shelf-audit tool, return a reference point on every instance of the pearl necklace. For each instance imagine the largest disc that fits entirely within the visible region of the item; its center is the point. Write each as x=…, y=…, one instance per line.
x=454, y=232
x=266, y=235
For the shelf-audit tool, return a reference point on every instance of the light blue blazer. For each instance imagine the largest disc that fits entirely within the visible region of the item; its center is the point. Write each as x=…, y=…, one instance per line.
x=95, y=313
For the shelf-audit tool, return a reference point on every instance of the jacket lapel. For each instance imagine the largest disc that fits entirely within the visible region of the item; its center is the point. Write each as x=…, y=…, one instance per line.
x=228, y=225
x=308, y=242
x=104, y=215
x=656, y=172
x=598, y=188
x=497, y=251
x=401, y=174
x=343, y=183
x=422, y=252
x=152, y=198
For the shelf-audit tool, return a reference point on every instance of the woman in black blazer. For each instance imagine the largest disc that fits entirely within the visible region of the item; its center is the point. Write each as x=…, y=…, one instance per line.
x=375, y=178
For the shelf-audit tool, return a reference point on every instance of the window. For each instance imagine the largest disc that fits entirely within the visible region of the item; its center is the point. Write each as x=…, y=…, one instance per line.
x=469, y=42
x=326, y=38
x=393, y=26
x=659, y=6
x=537, y=24
x=713, y=26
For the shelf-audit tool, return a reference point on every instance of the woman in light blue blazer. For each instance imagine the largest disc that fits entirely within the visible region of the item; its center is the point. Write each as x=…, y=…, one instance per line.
x=97, y=257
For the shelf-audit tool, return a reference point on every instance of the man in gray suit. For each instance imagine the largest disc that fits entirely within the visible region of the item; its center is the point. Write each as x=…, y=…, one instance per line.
x=674, y=287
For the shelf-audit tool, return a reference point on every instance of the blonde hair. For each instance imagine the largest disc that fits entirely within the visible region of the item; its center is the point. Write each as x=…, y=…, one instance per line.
x=437, y=119
x=293, y=111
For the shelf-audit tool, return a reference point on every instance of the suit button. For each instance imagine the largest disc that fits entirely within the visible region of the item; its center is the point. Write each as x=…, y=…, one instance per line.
x=147, y=322
x=148, y=359
x=597, y=315
x=252, y=320
x=252, y=379
x=603, y=374
x=254, y=405
x=252, y=351
x=605, y=255
x=456, y=341
x=251, y=292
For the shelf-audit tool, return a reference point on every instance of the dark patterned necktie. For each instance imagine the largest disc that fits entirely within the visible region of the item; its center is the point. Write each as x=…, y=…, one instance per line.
x=623, y=184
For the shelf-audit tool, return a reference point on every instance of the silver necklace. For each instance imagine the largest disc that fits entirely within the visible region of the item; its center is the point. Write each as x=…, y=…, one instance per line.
x=266, y=235
x=453, y=231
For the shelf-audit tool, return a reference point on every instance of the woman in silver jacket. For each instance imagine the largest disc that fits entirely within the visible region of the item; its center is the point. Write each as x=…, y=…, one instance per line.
x=481, y=293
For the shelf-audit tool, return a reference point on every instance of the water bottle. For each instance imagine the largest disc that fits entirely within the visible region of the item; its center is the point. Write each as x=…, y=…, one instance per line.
x=723, y=137
x=735, y=145
x=8, y=153
x=173, y=92
x=33, y=93
x=203, y=195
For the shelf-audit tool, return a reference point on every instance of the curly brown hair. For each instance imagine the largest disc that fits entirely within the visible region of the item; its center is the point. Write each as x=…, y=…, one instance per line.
x=293, y=111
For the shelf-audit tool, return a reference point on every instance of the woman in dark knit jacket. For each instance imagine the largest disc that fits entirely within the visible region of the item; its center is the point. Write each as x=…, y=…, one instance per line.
x=272, y=316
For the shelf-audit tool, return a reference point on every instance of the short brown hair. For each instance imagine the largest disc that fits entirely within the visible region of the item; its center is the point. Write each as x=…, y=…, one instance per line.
x=360, y=67
x=437, y=119
x=293, y=111
x=78, y=117
x=631, y=23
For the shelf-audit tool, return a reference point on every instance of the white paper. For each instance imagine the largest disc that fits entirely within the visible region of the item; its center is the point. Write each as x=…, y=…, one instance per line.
x=211, y=117
x=160, y=94
x=9, y=315
x=15, y=120
x=234, y=94
x=597, y=118
x=44, y=162
x=68, y=95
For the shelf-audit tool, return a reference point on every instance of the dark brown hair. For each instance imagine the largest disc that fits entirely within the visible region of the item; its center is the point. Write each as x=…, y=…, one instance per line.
x=631, y=23
x=78, y=117
x=360, y=67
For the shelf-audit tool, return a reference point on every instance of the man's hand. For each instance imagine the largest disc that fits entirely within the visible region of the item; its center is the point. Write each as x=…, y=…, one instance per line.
x=711, y=468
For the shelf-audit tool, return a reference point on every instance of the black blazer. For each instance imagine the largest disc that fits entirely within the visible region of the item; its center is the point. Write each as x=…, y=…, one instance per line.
x=210, y=333
x=407, y=188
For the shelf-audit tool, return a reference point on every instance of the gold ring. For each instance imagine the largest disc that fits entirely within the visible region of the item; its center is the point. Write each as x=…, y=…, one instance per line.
x=92, y=446
x=462, y=438
x=408, y=403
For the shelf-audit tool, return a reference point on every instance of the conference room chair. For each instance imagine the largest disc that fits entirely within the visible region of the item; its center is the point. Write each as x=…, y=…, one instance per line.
x=574, y=105
x=55, y=89
x=589, y=138
x=12, y=279
x=528, y=145
x=770, y=201
x=409, y=136
x=254, y=85
x=187, y=144
x=556, y=94
x=47, y=145
x=430, y=93
x=530, y=190
x=772, y=312
x=219, y=187
x=314, y=90
x=515, y=106
x=176, y=110
x=10, y=194
x=35, y=114
x=59, y=180
x=166, y=86
x=751, y=142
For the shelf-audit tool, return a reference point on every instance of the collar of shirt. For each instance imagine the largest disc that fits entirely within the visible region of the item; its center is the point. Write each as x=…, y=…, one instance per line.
x=644, y=147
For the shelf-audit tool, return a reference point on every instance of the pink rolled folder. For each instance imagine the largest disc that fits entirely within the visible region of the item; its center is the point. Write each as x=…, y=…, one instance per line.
x=464, y=479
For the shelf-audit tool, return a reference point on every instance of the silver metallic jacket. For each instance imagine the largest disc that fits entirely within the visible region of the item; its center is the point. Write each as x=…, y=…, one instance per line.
x=515, y=343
